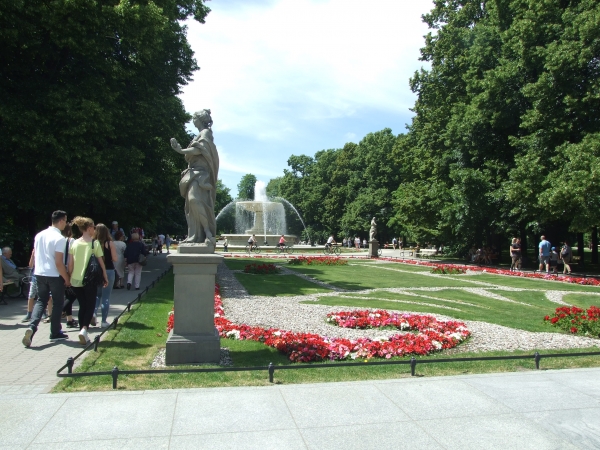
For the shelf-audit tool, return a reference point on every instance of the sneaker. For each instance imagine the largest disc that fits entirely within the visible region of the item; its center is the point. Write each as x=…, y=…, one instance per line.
x=83, y=337
x=105, y=324
x=128, y=286
x=58, y=337
x=93, y=321
x=28, y=337
x=27, y=318
x=72, y=324
x=137, y=289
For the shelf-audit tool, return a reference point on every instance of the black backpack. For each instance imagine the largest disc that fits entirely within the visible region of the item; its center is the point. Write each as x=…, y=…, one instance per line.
x=93, y=273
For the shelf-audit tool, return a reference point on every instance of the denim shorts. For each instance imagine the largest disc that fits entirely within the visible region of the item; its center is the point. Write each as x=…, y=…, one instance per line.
x=33, y=291
x=544, y=260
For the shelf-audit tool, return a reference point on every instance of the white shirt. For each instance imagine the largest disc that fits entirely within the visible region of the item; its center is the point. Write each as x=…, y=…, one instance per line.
x=47, y=243
x=330, y=240
x=161, y=238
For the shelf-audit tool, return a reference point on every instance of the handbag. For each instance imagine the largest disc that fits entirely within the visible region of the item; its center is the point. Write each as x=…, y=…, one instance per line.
x=93, y=272
x=142, y=260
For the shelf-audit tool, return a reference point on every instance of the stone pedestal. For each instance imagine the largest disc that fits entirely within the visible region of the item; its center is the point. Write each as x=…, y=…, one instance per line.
x=194, y=338
x=373, y=248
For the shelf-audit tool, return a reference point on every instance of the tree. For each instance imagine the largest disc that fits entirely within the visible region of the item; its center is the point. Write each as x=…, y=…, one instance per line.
x=246, y=187
x=223, y=196
x=88, y=102
x=273, y=187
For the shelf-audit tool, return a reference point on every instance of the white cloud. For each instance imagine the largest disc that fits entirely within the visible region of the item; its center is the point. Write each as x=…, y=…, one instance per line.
x=286, y=77
x=265, y=68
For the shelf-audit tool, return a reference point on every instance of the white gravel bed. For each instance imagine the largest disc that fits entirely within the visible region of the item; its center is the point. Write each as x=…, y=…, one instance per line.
x=287, y=313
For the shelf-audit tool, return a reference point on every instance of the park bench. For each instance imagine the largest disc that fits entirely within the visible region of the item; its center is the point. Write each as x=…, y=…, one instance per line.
x=426, y=253
x=5, y=284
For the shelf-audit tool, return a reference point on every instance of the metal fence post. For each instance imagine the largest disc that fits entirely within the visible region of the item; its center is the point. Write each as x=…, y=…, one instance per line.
x=271, y=372
x=537, y=358
x=129, y=306
x=96, y=342
x=115, y=322
x=413, y=366
x=70, y=362
x=115, y=376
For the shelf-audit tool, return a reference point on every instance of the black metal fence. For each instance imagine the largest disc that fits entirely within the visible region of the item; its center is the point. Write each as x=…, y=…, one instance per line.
x=271, y=368
x=94, y=344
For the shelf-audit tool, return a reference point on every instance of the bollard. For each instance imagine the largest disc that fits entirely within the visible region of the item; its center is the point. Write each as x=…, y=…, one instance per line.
x=271, y=372
x=96, y=342
x=413, y=366
x=537, y=358
x=70, y=362
x=128, y=306
x=115, y=376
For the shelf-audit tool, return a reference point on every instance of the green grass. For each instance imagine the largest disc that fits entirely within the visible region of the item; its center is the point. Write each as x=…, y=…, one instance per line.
x=141, y=333
x=531, y=283
x=278, y=285
x=396, y=266
x=582, y=300
x=358, y=277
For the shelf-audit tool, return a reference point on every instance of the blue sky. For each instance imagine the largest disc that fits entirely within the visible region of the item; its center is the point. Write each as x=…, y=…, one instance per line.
x=291, y=77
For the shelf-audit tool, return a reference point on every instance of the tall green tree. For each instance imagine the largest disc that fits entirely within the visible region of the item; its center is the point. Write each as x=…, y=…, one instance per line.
x=88, y=102
x=246, y=187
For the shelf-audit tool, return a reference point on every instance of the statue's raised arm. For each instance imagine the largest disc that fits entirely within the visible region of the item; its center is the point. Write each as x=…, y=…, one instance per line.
x=198, y=182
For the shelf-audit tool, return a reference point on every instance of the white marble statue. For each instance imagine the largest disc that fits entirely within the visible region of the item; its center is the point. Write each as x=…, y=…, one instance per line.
x=198, y=182
x=373, y=231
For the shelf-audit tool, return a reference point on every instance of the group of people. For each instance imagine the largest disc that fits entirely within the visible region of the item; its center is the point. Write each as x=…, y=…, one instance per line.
x=59, y=265
x=160, y=240
x=483, y=255
x=356, y=242
x=549, y=258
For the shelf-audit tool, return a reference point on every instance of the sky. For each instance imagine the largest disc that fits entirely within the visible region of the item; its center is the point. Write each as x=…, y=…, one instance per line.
x=292, y=77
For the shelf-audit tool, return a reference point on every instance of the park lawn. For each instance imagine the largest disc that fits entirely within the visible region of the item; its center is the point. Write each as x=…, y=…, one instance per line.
x=531, y=283
x=358, y=277
x=458, y=305
x=278, y=285
x=396, y=266
x=582, y=300
x=141, y=334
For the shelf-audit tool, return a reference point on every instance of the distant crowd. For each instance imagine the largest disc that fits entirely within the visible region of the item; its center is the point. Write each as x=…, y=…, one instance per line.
x=63, y=270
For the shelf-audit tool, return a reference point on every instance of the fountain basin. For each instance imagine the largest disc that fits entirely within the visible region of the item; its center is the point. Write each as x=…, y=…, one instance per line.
x=272, y=239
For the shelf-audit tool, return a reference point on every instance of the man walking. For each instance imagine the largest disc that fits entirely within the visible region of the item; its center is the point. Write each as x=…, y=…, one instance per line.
x=545, y=247
x=51, y=276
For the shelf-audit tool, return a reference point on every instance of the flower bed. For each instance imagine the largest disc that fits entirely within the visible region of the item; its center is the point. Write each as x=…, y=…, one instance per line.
x=262, y=269
x=318, y=261
x=305, y=347
x=575, y=320
x=448, y=269
x=433, y=336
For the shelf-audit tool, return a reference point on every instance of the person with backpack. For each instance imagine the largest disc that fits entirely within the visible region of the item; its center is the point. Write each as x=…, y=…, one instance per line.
x=566, y=254
x=85, y=255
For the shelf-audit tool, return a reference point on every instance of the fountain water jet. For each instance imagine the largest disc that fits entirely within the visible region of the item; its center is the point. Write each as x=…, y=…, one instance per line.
x=262, y=217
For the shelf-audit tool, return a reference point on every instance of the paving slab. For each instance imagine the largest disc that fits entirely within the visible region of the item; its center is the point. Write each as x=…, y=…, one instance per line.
x=38, y=364
x=467, y=411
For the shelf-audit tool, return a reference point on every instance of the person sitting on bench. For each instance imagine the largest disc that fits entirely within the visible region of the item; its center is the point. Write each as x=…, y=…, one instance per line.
x=10, y=272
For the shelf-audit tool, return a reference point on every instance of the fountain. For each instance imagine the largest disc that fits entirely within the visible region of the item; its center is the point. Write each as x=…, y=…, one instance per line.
x=262, y=217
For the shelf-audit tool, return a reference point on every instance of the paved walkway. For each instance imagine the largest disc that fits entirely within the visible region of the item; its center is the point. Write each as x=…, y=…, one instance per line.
x=544, y=409
x=36, y=366
x=527, y=410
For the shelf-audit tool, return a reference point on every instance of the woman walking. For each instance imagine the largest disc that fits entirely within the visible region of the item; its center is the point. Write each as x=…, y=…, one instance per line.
x=132, y=256
x=120, y=246
x=70, y=296
x=103, y=236
x=79, y=256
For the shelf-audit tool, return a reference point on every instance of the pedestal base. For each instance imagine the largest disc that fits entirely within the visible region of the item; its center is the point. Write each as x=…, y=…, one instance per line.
x=373, y=249
x=194, y=349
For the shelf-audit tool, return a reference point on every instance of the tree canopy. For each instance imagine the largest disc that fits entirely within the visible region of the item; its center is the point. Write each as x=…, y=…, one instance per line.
x=246, y=187
x=88, y=102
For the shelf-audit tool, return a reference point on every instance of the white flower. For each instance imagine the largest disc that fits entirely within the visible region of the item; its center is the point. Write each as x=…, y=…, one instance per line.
x=437, y=344
x=235, y=334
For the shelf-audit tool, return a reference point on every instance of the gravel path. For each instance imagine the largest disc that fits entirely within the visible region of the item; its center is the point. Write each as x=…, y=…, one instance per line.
x=288, y=313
